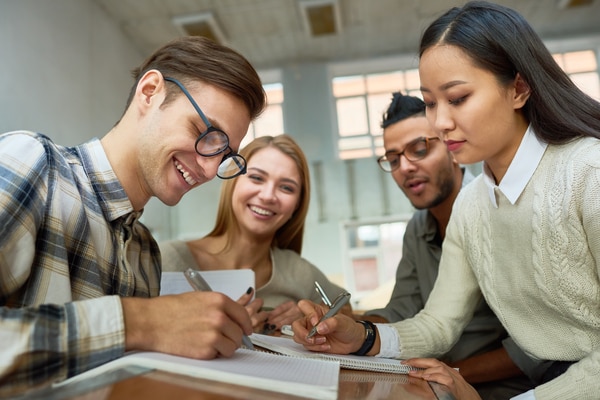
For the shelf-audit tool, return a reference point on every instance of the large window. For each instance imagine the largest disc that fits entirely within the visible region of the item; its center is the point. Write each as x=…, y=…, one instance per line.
x=373, y=251
x=361, y=99
x=270, y=122
x=582, y=67
x=360, y=102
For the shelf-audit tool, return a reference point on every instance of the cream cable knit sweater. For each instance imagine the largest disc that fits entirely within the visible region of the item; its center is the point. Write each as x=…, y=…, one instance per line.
x=536, y=262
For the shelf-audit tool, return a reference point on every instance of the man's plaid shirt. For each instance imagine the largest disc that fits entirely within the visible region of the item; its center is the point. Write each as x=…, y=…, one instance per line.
x=70, y=246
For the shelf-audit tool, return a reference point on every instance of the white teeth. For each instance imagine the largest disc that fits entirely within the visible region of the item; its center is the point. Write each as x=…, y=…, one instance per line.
x=261, y=211
x=186, y=175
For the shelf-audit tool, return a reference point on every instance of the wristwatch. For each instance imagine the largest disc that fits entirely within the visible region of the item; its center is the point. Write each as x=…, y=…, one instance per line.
x=370, y=336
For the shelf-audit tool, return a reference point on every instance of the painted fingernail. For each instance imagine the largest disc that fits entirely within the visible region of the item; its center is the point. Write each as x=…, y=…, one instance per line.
x=249, y=290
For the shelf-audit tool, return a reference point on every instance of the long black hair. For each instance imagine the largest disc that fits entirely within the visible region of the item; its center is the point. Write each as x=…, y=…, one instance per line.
x=500, y=40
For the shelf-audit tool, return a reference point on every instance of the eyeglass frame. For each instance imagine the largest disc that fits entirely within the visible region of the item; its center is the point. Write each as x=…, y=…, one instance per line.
x=211, y=128
x=403, y=152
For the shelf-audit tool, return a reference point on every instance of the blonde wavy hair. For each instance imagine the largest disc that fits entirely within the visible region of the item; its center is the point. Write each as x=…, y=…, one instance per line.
x=290, y=235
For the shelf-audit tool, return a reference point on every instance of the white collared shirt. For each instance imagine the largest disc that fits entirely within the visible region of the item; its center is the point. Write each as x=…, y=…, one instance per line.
x=520, y=170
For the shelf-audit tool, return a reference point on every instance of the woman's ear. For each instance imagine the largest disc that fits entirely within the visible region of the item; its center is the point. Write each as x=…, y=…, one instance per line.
x=522, y=92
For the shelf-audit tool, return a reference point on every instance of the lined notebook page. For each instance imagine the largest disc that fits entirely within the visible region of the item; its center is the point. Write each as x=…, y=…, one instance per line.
x=311, y=378
x=286, y=345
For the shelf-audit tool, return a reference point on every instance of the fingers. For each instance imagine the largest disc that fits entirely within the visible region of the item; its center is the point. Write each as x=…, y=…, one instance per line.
x=195, y=324
x=312, y=311
x=284, y=314
x=246, y=297
x=429, y=367
x=254, y=307
x=238, y=314
x=436, y=371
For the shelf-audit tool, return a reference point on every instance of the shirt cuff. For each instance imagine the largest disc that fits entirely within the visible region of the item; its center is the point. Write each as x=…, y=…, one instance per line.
x=389, y=341
x=100, y=323
x=530, y=395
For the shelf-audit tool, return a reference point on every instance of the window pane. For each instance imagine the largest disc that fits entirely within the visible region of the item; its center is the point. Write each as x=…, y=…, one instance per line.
x=270, y=121
x=588, y=83
x=366, y=276
x=387, y=82
x=355, y=143
x=378, y=104
x=348, y=86
x=579, y=61
x=393, y=233
x=352, y=116
x=412, y=80
x=274, y=93
x=353, y=154
x=559, y=60
x=378, y=143
x=368, y=235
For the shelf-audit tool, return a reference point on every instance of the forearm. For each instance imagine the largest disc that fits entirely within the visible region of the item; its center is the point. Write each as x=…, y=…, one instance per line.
x=486, y=367
x=51, y=342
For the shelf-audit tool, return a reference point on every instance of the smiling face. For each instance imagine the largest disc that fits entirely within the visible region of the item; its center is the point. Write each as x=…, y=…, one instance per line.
x=427, y=182
x=168, y=165
x=478, y=118
x=265, y=198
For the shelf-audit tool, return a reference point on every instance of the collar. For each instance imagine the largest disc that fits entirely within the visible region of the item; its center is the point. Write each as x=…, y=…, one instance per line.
x=108, y=189
x=521, y=169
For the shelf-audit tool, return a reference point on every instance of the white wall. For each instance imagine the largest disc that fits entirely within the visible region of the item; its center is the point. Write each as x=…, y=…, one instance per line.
x=64, y=69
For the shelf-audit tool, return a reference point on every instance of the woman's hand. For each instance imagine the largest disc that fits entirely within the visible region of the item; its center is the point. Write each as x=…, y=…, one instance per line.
x=254, y=309
x=436, y=371
x=284, y=314
x=340, y=334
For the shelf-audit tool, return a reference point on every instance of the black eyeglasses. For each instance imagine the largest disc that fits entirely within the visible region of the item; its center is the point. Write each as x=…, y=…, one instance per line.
x=214, y=141
x=414, y=151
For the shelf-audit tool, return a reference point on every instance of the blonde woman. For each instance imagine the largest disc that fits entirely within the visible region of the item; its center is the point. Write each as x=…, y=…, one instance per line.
x=259, y=226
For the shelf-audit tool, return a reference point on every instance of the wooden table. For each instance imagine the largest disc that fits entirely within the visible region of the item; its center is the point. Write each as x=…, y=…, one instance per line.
x=155, y=385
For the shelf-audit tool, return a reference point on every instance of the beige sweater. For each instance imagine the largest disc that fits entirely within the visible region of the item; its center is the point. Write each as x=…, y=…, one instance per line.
x=537, y=263
x=293, y=277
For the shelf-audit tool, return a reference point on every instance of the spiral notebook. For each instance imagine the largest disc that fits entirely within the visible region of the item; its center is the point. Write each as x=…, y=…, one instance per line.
x=286, y=345
x=308, y=378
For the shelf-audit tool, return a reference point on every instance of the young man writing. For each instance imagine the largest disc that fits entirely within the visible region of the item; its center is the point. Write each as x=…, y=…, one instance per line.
x=79, y=274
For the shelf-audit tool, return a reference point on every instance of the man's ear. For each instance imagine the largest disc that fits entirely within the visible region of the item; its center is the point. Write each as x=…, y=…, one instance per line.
x=522, y=92
x=150, y=88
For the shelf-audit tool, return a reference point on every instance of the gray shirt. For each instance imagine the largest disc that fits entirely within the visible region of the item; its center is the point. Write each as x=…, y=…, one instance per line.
x=293, y=277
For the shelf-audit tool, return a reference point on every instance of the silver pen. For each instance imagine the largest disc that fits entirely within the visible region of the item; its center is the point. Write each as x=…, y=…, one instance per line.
x=337, y=305
x=323, y=295
x=199, y=283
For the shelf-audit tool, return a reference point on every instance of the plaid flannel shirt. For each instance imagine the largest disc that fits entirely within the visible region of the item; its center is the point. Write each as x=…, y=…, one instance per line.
x=70, y=246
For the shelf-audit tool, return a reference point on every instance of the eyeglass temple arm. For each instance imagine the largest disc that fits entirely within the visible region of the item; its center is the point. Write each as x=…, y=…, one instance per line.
x=191, y=99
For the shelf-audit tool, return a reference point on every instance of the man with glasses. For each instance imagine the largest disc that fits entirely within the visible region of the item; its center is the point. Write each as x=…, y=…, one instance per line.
x=79, y=274
x=429, y=176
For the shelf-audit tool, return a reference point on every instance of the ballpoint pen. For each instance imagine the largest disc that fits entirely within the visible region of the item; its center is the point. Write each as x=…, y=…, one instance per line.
x=337, y=305
x=323, y=295
x=199, y=283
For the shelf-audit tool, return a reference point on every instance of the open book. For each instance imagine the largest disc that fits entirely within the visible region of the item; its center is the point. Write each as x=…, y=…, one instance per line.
x=315, y=379
x=286, y=345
